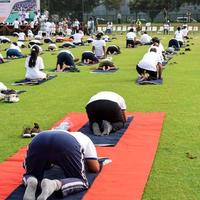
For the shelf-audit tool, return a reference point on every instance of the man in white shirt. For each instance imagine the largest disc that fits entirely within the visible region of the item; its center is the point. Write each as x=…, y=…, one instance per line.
x=145, y=39
x=130, y=39
x=98, y=46
x=21, y=36
x=185, y=32
x=178, y=35
x=150, y=66
x=106, y=112
x=16, y=25
x=78, y=36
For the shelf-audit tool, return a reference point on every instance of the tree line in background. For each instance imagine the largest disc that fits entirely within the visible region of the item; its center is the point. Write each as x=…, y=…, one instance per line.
x=77, y=7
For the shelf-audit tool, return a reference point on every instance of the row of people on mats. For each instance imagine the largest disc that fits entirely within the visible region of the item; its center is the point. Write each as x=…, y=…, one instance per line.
x=150, y=67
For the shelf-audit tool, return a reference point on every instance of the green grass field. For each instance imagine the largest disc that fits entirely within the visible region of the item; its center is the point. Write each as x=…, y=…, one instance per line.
x=174, y=176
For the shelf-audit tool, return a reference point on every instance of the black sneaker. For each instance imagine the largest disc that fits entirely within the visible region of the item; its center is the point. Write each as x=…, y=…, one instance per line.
x=26, y=133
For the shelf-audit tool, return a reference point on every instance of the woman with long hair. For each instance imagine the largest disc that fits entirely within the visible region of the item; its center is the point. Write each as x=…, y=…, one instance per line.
x=34, y=65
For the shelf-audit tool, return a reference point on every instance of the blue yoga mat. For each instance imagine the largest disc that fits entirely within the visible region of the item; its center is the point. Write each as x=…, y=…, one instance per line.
x=102, y=71
x=150, y=82
x=107, y=140
x=55, y=173
x=33, y=82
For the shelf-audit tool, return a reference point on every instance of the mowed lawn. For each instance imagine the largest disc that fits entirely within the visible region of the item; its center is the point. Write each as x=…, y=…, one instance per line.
x=175, y=175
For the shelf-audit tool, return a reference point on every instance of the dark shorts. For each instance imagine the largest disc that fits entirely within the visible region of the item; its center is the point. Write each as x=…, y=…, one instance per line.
x=65, y=58
x=174, y=43
x=89, y=55
x=153, y=75
x=130, y=43
x=55, y=148
x=104, y=110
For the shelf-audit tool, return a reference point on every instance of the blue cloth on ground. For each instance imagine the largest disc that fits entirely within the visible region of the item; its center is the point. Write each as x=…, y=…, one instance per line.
x=56, y=173
x=104, y=71
x=150, y=82
x=33, y=82
x=107, y=140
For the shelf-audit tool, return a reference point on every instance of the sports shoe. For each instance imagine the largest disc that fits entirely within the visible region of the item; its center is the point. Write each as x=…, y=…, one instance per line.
x=26, y=133
x=96, y=129
x=107, y=127
x=35, y=130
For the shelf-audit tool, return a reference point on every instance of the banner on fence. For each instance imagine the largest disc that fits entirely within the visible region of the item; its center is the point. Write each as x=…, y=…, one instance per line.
x=9, y=6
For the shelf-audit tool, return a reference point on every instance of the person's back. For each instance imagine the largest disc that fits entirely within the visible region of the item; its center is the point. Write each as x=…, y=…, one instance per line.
x=145, y=38
x=178, y=35
x=149, y=61
x=77, y=38
x=130, y=35
x=99, y=47
x=34, y=64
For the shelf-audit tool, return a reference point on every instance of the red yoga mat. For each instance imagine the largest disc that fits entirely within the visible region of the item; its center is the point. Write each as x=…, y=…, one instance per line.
x=124, y=178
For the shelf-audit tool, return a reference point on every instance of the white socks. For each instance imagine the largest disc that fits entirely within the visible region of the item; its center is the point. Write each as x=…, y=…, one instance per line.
x=30, y=188
x=48, y=187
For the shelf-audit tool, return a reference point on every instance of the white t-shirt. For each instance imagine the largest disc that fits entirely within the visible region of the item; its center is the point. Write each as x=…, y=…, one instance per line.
x=35, y=72
x=20, y=44
x=21, y=36
x=2, y=87
x=179, y=36
x=145, y=39
x=98, y=45
x=160, y=50
x=185, y=32
x=12, y=46
x=78, y=37
x=149, y=61
x=130, y=36
x=16, y=24
x=111, y=96
x=87, y=145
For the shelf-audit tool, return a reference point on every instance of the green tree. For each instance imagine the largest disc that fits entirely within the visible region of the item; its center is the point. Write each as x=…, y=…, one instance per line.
x=155, y=6
x=64, y=7
x=112, y=4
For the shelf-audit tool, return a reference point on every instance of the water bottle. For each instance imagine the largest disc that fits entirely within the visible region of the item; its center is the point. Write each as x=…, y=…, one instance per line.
x=63, y=126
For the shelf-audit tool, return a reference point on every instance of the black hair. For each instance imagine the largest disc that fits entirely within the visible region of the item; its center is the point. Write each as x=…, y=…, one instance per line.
x=34, y=54
x=153, y=50
x=179, y=28
x=155, y=40
x=98, y=36
x=131, y=30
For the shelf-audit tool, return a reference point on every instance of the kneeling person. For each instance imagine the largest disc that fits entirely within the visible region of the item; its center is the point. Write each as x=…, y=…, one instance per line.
x=150, y=66
x=106, y=112
x=113, y=49
x=106, y=65
x=88, y=57
x=73, y=152
x=65, y=61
